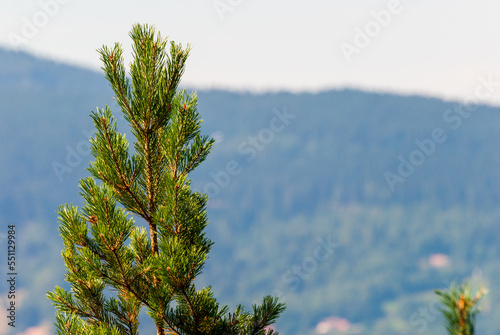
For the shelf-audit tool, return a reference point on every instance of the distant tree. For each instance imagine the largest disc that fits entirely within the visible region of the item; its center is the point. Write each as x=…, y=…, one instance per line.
x=115, y=267
x=460, y=310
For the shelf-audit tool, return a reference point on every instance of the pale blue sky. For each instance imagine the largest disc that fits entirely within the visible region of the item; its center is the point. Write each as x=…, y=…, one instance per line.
x=441, y=48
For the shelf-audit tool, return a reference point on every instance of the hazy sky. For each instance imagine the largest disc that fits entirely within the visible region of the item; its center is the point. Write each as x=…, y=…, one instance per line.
x=444, y=48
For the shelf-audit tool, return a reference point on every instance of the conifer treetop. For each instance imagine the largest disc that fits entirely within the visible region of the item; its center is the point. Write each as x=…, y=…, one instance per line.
x=115, y=267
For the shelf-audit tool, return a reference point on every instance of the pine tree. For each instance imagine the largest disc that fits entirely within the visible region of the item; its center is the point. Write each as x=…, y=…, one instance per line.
x=114, y=266
x=460, y=309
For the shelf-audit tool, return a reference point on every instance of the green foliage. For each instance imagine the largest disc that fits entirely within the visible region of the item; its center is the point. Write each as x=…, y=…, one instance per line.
x=460, y=309
x=113, y=266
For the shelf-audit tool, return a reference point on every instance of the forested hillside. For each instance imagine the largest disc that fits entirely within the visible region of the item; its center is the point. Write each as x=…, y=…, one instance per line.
x=352, y=206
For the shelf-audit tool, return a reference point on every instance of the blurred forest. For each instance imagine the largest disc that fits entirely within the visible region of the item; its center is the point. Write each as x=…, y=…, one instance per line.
x=300, y=205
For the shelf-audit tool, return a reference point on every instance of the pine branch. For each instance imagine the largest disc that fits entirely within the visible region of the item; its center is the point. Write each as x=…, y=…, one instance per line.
x=104, y=250
x=460, y=310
